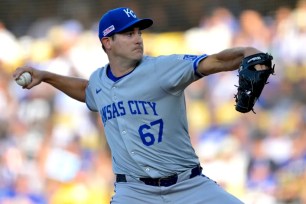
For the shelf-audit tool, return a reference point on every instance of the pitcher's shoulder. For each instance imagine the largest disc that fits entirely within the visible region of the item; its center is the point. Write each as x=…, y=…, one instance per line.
x=99, y=72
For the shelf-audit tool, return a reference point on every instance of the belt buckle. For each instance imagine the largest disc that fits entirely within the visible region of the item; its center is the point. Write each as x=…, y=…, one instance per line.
x=169, y=180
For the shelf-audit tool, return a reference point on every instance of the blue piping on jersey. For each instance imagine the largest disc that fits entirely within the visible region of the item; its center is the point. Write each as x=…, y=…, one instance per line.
x=196, y=64
x=112, y=77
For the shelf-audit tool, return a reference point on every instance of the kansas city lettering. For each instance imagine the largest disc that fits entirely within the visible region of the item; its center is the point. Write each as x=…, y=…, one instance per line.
x=132, y=107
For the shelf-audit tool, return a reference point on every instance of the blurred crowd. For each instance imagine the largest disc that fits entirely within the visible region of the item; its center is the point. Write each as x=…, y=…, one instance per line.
x=53, y=149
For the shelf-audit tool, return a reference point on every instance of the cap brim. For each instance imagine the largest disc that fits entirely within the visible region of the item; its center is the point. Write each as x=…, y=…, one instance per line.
x=140, y=23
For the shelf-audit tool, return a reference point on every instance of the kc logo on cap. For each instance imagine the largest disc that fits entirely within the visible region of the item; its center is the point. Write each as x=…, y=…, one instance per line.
x=120, y=19
x=129, y=12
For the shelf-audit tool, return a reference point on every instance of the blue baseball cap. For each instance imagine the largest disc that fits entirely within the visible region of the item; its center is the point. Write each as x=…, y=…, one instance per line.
x=120, y=19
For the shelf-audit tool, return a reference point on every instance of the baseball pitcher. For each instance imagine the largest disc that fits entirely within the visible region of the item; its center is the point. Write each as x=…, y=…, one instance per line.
x=141, y=102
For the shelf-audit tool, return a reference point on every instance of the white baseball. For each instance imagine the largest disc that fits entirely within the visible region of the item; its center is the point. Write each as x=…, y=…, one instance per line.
x=24, y=79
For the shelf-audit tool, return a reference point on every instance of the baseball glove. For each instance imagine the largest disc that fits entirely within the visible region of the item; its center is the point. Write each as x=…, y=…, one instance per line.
x=252, y=81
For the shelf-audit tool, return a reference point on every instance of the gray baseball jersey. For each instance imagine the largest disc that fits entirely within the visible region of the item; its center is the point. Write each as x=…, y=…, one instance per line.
x=144, y=115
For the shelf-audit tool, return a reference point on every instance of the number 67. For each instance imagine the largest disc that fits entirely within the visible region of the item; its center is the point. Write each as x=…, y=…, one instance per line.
x=148, y=138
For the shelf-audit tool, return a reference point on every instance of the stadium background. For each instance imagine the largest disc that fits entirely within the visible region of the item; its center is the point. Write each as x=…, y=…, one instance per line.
x=52, y=149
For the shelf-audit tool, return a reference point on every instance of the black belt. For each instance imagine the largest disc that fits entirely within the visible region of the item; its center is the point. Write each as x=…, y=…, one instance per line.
x=163, y=181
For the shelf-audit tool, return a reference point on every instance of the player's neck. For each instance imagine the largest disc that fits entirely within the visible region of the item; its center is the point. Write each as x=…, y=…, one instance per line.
x=121, y=69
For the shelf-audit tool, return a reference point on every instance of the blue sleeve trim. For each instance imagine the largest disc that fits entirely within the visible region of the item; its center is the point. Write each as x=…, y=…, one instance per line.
x=196, y=64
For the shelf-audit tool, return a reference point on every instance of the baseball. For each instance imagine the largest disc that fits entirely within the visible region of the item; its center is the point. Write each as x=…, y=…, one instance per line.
x=24, y=79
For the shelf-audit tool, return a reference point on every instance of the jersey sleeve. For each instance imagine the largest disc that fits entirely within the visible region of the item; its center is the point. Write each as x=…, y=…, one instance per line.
x=176, y=72
x=89, y=98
